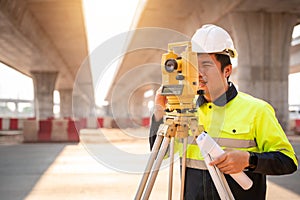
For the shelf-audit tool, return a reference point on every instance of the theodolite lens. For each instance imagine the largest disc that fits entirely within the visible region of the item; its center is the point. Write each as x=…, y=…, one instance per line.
x=171, y=65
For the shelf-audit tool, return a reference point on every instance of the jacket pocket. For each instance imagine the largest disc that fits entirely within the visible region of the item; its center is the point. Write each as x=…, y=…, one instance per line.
x=237, y=136
x=236, y=129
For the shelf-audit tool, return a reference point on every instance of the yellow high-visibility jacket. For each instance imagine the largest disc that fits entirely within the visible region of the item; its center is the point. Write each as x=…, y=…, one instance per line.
x=240, y=121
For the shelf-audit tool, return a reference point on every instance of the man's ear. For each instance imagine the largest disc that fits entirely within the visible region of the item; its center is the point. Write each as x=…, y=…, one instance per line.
x=228, y=71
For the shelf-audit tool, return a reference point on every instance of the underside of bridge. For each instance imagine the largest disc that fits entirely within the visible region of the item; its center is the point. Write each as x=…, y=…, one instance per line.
x=261, y=31
x=46, y=40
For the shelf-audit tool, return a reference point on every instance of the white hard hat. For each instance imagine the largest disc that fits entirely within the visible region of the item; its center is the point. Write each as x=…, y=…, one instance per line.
x=213, y=39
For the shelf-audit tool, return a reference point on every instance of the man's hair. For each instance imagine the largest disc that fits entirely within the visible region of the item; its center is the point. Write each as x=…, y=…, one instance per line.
x=224, y=60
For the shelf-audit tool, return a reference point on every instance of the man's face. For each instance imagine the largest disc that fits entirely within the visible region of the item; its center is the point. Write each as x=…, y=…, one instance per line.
x=211, y=79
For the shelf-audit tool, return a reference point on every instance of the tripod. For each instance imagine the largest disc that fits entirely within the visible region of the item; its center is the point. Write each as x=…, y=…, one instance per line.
x=174, y=125
x=177, y=126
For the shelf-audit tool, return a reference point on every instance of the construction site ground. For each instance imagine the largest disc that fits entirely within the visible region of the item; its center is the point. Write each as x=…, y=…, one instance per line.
x=106, y=164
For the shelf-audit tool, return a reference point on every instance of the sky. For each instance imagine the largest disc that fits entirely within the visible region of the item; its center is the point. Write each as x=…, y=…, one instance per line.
x=296, y=32
x=104, y=21
x=14, y=85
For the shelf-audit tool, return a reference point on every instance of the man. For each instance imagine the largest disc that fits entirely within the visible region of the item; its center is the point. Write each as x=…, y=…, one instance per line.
x=245, y=126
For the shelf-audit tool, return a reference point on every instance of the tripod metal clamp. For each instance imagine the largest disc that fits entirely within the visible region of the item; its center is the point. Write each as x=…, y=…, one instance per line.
x=195, y=128
x=167, y=130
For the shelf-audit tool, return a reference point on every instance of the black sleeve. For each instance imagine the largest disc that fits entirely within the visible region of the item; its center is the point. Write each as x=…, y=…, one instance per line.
x=274, y=163
x=153, y=130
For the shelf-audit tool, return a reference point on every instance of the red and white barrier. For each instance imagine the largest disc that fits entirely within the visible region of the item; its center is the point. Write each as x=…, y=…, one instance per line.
x=51, y=130
x=11, y=124
x=30, y=130
x=98, y=122
x=297, y=126
x=294, y=126
x=64, y=130
x=109, y=122
x=146, y=122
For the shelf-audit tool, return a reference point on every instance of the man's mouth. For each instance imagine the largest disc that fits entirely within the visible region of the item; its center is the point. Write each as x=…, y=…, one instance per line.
x=202, y=83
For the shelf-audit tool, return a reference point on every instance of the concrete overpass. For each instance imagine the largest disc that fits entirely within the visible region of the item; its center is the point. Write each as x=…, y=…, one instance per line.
x=262, y=33
x=46, y=40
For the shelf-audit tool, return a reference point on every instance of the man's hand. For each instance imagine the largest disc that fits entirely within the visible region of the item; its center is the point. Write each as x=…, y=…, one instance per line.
x=160, y=104
x=232, y=161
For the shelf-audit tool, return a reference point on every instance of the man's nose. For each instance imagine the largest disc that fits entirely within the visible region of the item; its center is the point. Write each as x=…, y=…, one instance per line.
x=200, y=72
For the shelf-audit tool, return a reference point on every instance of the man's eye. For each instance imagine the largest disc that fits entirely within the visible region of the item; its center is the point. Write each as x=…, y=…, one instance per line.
x=206, y=66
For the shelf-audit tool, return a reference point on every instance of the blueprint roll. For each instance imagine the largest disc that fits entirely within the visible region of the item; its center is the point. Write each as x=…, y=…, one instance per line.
x=209, y=147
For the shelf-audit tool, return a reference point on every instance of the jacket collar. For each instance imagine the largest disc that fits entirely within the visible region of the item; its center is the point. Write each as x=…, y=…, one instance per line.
x=223, y=99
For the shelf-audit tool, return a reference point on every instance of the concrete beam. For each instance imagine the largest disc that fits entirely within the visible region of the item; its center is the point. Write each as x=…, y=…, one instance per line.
x=26, y=46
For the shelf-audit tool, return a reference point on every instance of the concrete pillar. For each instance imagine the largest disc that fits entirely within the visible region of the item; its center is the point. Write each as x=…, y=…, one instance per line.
x=263, y=40
x=65, y=102
x=82, y=107
x=44, y=84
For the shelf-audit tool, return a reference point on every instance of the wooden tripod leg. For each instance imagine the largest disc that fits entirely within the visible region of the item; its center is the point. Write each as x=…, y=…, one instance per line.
x=157, y=163
x=183, y=168
x=171, y=168
x=148, y=168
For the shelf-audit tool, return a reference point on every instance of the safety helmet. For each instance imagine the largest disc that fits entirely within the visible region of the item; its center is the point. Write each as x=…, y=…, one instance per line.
x=213, y=39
